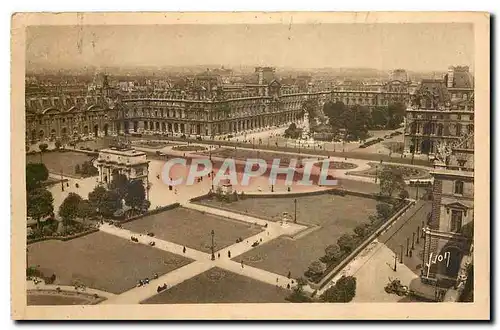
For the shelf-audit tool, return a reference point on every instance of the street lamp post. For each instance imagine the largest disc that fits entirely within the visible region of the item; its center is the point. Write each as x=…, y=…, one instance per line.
x=418, y=234
x=416, y=194
x=62, y=181
x=413, y=241
x=212, y=177
x=395, y=261
x=401, y=259
x=295, y=202
x=213, y=254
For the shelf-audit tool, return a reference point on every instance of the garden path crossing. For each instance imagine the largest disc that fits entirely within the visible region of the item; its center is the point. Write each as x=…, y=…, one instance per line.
x=202, y=261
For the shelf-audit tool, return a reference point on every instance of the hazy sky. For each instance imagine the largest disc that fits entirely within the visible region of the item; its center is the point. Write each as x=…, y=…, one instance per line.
x=380, y=46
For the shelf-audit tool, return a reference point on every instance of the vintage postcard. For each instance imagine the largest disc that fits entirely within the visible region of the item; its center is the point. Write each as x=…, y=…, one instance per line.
x=234, y=165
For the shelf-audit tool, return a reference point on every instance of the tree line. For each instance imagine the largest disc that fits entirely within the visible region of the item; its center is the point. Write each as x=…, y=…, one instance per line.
x=357, y=120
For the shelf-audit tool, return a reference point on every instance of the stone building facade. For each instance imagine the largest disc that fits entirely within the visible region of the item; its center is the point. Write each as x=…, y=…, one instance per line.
x=449, y=232
x=441, y=112
x=372, y=95
x=205, y=107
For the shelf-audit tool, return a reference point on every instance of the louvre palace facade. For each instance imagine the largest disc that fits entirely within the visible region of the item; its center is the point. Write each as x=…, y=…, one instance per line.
x=205, y=107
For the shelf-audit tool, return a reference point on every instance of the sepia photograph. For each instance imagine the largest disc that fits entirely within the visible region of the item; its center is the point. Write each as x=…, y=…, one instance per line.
x=232, y=165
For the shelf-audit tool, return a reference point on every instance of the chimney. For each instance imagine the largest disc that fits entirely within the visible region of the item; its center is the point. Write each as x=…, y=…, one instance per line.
x=451, y=71
x=260, y=74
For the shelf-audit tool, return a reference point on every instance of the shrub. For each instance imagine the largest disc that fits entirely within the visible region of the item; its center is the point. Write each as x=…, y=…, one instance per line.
x=404, y=194
x=43, y=147
x=47, y=231
x=315, y=270
x=298, y=297
x=332, y=254
x=33, y=272
x=343, y=291
x=50, y=280
x=360, y=231
x=346, y=243
x=384, y=210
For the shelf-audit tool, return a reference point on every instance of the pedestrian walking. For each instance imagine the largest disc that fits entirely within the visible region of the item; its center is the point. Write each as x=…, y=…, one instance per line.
x=184, y=249
x=242, y=264
x=218, y=255
x=288, y=286
x=229, y=254
x=277, y=280
x=289, y=274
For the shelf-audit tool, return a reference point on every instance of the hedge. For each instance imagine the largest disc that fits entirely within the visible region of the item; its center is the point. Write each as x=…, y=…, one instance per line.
x=63, y=238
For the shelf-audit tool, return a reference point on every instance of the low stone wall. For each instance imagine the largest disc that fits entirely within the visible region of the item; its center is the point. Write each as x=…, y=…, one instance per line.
x=63, y=238
x=326, y=279
x=202, y=197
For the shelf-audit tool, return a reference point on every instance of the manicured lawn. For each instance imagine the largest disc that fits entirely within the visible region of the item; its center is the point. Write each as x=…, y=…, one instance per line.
x=60, y=160
x=152, y=144
x=408, y=172
x=101, y=261
x=192, y=228
x=189, y=148
x=246, y=154
x=332, y=216
x=48, y=298
x=220, y=286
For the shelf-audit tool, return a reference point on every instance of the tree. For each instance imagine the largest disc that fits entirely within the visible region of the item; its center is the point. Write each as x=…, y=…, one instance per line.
x=395, y=114
x=110, y=203
x=384, y=211
x=88, y=169
x=96, y=197
x=343, y=291
x=43, y=147
x=356, y=121
x=36, y=173
x=391, y=180
x=298, y=295
x=379, y=116
x=332, y=253
x=315, y=270
x=119, y=183
x=292, y=131
x=39, y=204
x=86, y=210
x=58, y=144
x=334, y=112
x=136, y=194
x=346, y=243
x=311, y=106
x=70, y=207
